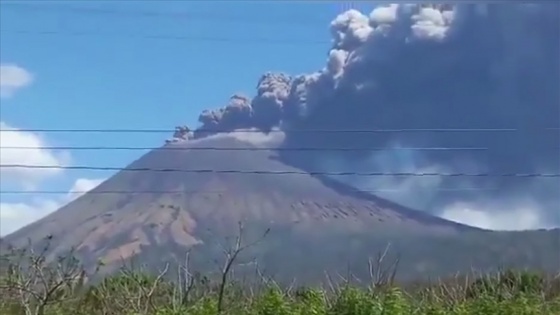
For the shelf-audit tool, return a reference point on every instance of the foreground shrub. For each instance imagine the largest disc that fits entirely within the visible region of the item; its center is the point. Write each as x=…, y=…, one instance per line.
x=120, y=297
x=33, y=287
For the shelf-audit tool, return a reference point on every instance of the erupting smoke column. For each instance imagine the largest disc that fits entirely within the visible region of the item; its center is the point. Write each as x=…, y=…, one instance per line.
x=427, y=66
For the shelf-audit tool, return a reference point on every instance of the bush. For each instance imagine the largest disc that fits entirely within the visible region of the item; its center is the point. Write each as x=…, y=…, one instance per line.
x=37, y=288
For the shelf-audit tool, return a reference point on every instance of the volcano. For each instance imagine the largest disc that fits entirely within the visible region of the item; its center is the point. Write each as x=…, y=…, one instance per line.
x=165, y=204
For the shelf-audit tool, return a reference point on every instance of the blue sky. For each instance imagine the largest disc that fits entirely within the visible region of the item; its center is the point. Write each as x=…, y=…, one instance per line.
x=105, y=67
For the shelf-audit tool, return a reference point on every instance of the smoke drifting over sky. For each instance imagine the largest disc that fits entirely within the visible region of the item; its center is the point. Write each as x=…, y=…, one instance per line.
x=407, y=66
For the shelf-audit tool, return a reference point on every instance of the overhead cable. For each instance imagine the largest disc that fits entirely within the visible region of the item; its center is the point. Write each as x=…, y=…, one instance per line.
x=182, y=148
x=212, y=131
x=270, y=172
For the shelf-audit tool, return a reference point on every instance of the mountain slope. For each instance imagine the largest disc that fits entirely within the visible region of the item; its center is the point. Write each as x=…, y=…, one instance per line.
x=322, y=223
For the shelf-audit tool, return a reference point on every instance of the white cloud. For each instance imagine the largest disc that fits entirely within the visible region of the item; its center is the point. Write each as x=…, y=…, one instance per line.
x=14, y=216
x=522, y=217
x=82, y=185
x=27, y=177
x=12, y=79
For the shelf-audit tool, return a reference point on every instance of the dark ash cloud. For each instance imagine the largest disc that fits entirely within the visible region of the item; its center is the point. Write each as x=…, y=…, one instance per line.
x=421, y=66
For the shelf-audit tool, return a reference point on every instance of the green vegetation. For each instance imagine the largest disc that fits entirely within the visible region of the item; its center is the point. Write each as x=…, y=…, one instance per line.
x=35, y=286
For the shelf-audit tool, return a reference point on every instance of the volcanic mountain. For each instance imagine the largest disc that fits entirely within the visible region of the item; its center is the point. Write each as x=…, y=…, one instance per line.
x=181, y=196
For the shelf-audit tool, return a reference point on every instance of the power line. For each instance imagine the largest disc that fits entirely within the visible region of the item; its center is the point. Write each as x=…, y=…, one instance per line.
x=261, y=172
x=212, y=131
x=63, y=192
x=168, y=148
x=184, y=16
x=262, y=40
x=118, y=192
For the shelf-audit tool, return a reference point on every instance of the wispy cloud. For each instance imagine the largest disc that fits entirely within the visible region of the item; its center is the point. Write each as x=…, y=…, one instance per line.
x=16, y=215
x=518, y=217
x=35, y=155
x=12, y=79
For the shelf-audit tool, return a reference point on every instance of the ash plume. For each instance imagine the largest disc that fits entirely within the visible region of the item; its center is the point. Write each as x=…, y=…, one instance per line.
x=237, y=114
x=427, y=66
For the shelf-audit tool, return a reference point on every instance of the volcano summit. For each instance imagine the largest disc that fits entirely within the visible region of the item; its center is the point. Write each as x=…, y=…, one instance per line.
x=317, y=221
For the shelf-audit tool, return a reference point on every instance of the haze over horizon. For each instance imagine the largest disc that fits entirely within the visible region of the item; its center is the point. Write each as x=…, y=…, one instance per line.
x=393, y=67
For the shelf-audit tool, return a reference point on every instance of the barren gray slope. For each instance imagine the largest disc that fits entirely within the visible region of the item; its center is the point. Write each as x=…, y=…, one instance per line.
x=227, y=198
x=174, y=210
